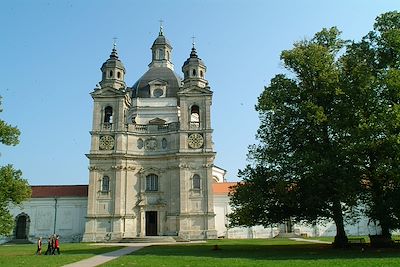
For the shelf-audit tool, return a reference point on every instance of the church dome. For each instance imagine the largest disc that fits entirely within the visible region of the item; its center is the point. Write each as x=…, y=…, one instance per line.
x=113, y=61
x=161, y=40
x=161, y=70
x=142, y=87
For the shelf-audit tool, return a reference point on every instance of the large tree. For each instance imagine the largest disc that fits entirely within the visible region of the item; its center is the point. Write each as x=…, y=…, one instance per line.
x=371, y=78
x=329, y=134
x=13, y=188
x=302, y=141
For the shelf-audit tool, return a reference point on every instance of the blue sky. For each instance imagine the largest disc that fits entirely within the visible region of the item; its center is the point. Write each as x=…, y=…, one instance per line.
x=51, y=53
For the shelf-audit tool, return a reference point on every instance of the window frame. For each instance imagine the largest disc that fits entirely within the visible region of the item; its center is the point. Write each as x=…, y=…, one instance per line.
x=152, y=183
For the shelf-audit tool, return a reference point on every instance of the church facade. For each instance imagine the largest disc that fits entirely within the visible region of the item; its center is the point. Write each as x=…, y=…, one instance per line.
x=151, y=166
x=151, y=155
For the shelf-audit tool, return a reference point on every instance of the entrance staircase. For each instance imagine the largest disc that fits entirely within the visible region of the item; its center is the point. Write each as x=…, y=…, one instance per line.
x=149, y=239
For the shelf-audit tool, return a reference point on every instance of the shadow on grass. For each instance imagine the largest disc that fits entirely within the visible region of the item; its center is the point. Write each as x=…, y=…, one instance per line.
x=65, y=249
x=268, y=251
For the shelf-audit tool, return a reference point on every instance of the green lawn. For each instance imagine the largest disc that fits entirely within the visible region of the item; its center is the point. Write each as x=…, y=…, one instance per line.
x=23, y=255
x=272, y=252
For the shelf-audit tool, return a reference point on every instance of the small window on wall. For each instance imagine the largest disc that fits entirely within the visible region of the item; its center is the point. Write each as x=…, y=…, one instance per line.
x=105, y=184
x=194, y=117
x=152, y=182
x=108, y=113
x=161, y=54
x=196, y=181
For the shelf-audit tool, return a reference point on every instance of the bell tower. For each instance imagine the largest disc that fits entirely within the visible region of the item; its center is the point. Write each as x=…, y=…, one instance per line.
x=111, y=100
x=196, y=147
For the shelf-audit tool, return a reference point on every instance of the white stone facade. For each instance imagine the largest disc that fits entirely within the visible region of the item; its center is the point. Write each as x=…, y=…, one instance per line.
x=151, y=154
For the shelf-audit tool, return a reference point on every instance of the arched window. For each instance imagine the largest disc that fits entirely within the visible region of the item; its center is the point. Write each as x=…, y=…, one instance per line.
x=196, y=181
x=201, y=74
x=161, y=54
x=105, y=184
x=118, y=74
x=194, y=72
x=111, y=73
x=194, y=116
x=152, y=182
x=108, y=113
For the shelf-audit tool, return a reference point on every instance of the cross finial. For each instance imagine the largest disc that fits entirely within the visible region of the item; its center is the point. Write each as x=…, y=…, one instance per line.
x=161, y=27
x=193, y=43
x=115, y=43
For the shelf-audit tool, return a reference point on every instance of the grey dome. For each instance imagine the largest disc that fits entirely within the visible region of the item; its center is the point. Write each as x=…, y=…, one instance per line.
x=193, y=59
x=142, y=88
x=113, y=61
x=161, y=40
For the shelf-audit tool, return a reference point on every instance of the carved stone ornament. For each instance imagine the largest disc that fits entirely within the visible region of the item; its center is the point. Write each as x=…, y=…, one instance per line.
x=106, y=142
x=151, y=144
x=195, y=140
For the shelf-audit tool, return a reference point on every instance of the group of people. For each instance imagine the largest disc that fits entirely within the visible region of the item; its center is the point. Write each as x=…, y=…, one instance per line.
x=53, y=245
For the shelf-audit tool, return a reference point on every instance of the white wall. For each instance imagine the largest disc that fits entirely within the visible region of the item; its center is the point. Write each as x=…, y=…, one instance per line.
x=65, y=218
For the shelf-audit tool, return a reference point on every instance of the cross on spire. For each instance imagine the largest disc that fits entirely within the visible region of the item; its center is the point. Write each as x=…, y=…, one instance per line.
x=193, y=43
x=115, y=43
x=161, y=27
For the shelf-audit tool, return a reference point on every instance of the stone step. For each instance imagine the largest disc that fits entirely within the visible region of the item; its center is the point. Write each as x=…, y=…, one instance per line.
x=149, y=239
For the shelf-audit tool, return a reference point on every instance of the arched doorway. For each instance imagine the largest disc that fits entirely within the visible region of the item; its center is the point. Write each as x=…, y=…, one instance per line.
x=22, y=222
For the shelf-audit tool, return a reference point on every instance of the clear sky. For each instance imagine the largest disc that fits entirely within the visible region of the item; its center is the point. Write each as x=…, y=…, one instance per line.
x=51, y=53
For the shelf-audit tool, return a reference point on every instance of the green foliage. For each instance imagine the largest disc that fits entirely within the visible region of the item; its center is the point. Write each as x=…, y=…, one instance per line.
x=329, y=135
x=13, y=188
x=8, y=134
x=372, y=81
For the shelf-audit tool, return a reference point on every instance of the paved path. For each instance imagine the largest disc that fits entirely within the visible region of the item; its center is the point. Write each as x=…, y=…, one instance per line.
x=128, y=248
x=310, y=240
x=100, y=259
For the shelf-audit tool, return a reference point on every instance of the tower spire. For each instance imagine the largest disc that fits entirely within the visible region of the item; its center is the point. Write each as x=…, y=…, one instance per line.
x=193, y=43
x=161, y=33
x=114, y=53
x=115, y=43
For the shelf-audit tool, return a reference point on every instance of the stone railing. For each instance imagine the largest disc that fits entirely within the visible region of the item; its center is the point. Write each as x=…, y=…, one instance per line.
x=154, y=128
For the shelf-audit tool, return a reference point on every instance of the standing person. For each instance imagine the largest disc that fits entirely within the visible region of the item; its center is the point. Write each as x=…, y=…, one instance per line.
x=48, y=251
x=39, y=247
x=53, y=244
x=57, y=245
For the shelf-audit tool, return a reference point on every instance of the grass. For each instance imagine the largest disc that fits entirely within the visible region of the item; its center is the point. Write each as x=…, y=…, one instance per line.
x=256, y=252
x=23, y=255
x=232, y=253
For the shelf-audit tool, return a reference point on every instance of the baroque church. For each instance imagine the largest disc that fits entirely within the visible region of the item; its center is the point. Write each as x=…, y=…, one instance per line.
x=151, y=166
x=151, y=154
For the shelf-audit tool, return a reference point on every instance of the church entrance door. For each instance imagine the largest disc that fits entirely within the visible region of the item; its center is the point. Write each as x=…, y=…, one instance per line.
x=151, y=223
x=20, y=231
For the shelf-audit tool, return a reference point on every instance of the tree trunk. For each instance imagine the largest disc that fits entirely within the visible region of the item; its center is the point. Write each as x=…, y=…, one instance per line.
x=340, y=238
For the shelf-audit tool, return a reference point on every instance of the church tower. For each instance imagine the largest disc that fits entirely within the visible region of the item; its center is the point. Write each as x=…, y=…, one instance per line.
x=151, y=154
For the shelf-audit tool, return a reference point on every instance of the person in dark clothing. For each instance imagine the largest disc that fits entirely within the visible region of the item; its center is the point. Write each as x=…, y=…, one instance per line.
x=49, y=247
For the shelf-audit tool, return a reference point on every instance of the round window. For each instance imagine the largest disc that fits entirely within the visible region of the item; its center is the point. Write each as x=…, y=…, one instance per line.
x=158, y=92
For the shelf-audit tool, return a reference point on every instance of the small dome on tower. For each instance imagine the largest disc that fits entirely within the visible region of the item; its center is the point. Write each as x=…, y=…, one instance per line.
x=113, y=71
x=194, y=70
x=193, y=58
x=161, y=69
x=113, y=61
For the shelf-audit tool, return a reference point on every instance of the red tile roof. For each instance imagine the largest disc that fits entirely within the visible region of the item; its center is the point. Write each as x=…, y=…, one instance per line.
x=39, y=191
x=42, y=191
x=222, y=188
